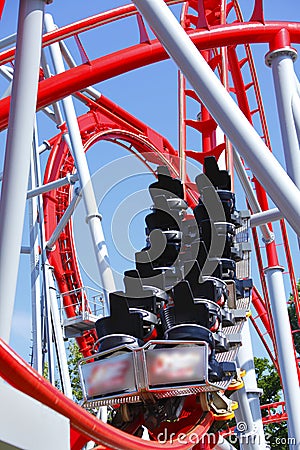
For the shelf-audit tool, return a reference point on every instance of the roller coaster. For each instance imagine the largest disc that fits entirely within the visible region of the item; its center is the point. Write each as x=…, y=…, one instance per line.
x=167, y=359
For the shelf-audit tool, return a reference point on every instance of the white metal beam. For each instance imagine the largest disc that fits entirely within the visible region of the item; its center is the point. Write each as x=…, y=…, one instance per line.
x=17, y=154
x=93, y=217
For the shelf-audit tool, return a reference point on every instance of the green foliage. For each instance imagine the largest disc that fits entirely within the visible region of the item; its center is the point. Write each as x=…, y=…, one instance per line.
x=269, y=380
x=46, y=370
x=277, y=436
x=294, y=321
x=74, y=356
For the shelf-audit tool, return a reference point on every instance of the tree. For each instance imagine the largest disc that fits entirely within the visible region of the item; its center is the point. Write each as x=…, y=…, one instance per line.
x=74, y=356
x=268, y=380
x=294, y=321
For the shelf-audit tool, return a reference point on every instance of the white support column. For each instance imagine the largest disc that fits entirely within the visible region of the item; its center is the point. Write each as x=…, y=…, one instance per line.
x=48, y=329
x=222, y=107
x=35, y=276
x=252, y=392
x=246, y=429
x=182, y=129
x=296, y=112
x=285, y=349
x=281, y=61
x=93, y=217
x=17, y=154
x=58, y=336
x=47, y=341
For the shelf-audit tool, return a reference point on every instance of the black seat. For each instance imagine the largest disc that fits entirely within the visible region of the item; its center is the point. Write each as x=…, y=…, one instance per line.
x=219, y=178
x=166, y=185
x=137, y=296
x=121, y=320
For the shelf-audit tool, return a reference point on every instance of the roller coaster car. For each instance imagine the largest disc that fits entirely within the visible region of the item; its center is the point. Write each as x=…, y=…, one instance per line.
x=126, y=369
x=165, y=337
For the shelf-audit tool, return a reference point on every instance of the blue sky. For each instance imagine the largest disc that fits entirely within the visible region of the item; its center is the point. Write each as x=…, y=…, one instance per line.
x=151, y=94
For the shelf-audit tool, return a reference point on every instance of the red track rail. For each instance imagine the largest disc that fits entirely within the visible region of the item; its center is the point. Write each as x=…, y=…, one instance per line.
x=118, y=125
x=23, y=377
x=109, y=66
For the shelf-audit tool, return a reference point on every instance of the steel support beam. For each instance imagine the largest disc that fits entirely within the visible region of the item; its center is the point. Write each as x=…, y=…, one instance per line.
x=263, y=217
x=246, y=430
x=34, y=228
x=93, y=217
x=281, y=61
x=17, y=154
x=182, y=129
x=69, y=179
x=43, y=147
x=251, y=392
x=58, y=336
x=285, y=349
x=224, y=110
x=8, y=41
x=244, y=138
x=296, y=113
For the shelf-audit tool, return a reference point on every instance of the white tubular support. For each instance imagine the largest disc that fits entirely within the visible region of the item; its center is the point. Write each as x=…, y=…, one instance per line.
x=7, y=73
x=17, y=154
x=224, y=110
x=8, y=41
x=64, y=220
x=246, y=362
x=69, y=179
x=36, y=319
x=268, y=236
x=281, y=61
x=263, y=217
x=182, y=132
x=93, y=216
x=296, y=113
x=246, y=429
x=285, y=349
x=43, y=147
x=58, y=336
